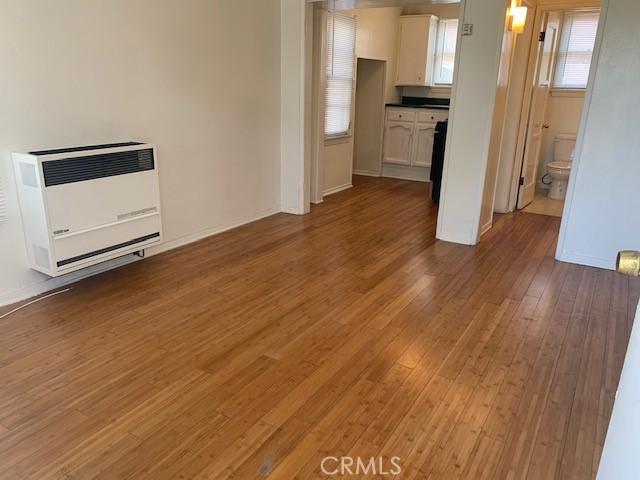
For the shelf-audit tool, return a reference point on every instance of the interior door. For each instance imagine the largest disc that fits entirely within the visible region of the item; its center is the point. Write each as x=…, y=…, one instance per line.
x=397, y=143
x=425, y=132
x=538, y=110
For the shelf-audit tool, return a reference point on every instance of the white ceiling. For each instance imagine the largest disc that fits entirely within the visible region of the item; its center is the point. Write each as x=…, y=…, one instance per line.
x=348, y=4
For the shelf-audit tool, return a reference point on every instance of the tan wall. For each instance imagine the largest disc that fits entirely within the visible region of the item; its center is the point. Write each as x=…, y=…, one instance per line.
x=377, y=39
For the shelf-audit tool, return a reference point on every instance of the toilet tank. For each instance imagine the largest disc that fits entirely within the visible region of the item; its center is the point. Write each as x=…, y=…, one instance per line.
x=563, y=146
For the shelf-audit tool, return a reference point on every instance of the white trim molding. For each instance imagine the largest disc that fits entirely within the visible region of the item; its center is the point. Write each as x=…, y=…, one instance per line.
x=366, y=173
x=337, y=189
x=403, y=172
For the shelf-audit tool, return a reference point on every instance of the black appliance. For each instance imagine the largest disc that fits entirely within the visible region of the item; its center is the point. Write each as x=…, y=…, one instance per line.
x=437, y=161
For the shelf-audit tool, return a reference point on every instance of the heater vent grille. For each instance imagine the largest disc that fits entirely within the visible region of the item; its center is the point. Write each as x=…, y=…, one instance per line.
x=79, y=169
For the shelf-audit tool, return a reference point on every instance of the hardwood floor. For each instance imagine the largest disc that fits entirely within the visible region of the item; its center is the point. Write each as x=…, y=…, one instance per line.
x=347, y=332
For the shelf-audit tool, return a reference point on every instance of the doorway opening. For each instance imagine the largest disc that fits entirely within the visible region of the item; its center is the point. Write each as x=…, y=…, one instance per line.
x=538, y=109
x=368, y=117
x=385, y=128
x=561, y=62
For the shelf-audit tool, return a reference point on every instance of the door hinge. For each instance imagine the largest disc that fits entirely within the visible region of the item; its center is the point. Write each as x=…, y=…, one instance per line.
x=521, y=180
x=542, y=36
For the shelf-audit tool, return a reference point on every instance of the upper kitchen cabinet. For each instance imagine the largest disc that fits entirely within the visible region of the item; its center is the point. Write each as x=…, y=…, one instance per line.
x=416, y=48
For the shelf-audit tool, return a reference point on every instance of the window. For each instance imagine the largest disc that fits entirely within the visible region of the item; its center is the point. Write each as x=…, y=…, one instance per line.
x=576, y=48
x=341, y=43
x=445, y=51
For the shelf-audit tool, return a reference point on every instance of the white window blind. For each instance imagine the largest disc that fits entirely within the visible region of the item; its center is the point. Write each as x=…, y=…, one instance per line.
x=341, y=44
x=3, y=204
x=445, y=51
x=576, y=49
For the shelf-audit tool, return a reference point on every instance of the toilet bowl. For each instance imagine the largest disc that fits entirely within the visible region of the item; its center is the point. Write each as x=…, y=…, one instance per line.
x=560, y=168
x=559, y=172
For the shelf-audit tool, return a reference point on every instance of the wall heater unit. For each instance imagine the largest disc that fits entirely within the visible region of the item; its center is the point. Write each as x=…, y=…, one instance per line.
x=84, y=205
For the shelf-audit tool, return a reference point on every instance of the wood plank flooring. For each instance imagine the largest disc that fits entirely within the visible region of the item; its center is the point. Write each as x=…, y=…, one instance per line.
x=346, y=332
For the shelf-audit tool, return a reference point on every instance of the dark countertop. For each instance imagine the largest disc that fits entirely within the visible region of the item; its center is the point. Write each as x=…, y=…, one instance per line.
x=432, y=107
x=422, y=102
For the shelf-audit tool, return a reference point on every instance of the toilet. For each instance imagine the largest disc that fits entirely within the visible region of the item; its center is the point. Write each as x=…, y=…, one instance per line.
x=560, y=168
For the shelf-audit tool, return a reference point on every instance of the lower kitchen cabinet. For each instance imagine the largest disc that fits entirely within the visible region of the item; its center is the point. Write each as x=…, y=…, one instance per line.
x=423, y=145
x=408, y=142
x=398, y=140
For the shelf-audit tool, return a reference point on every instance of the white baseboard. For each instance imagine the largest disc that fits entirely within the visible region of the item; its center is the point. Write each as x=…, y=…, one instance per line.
x=337, y=189
x=209, y=232
x=401, y=172
x=53, y=283
x=486, y=227
x=460, y=238
x=366, y=173
x=48, y=284
x=293, y=209
x=576, y=258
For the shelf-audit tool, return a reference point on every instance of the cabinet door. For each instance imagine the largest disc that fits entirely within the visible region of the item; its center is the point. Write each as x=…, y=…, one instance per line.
x=412, y=51
x=423, y=151
x=397, y=142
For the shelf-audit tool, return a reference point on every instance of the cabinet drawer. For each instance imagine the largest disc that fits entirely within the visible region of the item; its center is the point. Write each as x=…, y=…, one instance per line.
x=401, y=116
x=431, y=117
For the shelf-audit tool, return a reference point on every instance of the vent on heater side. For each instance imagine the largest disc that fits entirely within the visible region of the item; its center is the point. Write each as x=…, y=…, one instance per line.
x=80, y=169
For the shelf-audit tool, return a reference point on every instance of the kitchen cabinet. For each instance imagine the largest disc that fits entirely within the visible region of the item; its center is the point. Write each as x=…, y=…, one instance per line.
x=408, y=141
x=423, y=148
x=416, y=49
x=398, y=142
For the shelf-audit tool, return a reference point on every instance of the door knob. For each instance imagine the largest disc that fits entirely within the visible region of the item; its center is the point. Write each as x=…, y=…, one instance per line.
x=628, y=263
x=545, y=125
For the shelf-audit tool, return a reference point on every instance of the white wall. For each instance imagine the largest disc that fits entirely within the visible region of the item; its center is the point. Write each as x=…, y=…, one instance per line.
x=376, y=38
x=601, y=211
x=564, y=112
x=177, y=74
x=620, y=459
x=474, y=93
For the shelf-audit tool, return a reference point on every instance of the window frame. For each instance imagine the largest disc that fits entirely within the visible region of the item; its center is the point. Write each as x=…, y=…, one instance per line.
x=563, y=43
x=439, y=52
x=348, y=133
